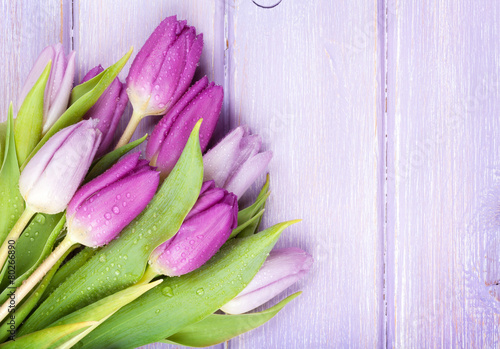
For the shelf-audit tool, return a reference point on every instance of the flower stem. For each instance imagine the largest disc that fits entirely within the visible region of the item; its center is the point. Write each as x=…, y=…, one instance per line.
x=129, y=131
x=149, y=275
x=37, y=275
x=28, y=305
x=15, y=233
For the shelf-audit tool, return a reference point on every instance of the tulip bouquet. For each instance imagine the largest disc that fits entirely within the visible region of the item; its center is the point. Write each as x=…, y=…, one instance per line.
x=102, y=248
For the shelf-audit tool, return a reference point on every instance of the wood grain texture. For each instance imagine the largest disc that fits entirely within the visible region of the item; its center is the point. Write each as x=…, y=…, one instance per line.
x=443, y=162
x=307, y=76
x=26, y=28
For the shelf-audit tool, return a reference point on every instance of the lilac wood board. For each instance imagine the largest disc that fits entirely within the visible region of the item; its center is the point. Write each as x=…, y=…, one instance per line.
x=443, y=174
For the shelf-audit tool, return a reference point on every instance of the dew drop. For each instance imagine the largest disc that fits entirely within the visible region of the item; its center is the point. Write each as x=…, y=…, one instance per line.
x=167, y=291
x=200, y=291
x=40, y=218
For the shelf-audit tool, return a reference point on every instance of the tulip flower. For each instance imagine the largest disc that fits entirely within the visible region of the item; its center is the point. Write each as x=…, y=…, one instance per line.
x=235, y=162
x=205, y=229
x=98, y=212
x=105, y=205
x=162, y=71
x=281, y=269
x=59, y=84
x=203, y=100
x=51, y=177
x=108, y=109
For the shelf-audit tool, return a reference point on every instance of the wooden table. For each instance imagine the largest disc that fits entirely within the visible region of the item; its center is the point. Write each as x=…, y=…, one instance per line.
x=383, y=117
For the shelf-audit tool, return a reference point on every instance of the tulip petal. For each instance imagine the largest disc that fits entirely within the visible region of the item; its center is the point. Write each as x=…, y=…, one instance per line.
x=43, y=59
x=161, y=130
x=166, y=29
x=92, y=73
x=192, y=59
x=206, y=105
x=248, y=173
x=217, y=161
x=206, y=200
x=148, y=62
x=63, y=174
x=60, y=101
x=116, y=172
x=38, y=163
x=281, y=269
x=106, y=213
x=196, y=242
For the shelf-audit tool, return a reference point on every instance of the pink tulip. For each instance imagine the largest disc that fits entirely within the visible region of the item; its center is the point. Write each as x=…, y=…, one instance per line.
x=104, y=206
x=170, y=135
x=59, y=84
x=281, y=269
x=205, y=229
x=235, y=162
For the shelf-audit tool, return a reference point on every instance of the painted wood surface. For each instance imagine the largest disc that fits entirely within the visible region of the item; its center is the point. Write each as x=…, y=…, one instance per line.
x=443, y=166
x=400, y=205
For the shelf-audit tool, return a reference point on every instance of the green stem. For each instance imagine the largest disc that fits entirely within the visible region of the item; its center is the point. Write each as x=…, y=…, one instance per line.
x=33, y=299
x=14, y=234
x=37, y=275
x=149, y=275
x=129, y=131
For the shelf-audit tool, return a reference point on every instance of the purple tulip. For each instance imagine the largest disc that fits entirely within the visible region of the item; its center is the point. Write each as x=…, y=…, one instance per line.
x=59, y=84
x=104, y=206
x=108, y=109
x=51, y=177
x=170, y=135
x=164, y=67
x=235, y=162
x=281, y=269
x=205, y=229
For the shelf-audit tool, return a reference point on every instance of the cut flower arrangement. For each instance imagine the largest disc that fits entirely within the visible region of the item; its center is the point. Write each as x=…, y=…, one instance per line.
x=102, y=248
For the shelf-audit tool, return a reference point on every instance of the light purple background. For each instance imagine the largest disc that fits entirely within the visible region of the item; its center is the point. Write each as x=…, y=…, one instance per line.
x=384, y=122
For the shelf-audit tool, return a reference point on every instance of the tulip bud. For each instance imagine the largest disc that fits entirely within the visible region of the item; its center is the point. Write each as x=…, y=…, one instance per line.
x=104, y=206
x=164, y=67
x=205, y=229
x=235, y=162
x=51, y=177
x=108, y=109
x=203, y=100
x=281, y=269
x=58, y=89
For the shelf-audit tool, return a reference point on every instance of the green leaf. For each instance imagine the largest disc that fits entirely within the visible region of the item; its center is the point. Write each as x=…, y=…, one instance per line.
x=80, y=90
x=182, y=301
x=247, y=223
x=69, y=269
x=218, y=328
x=27, y=305
x=104, y=308
x=45, y=339
x=78, y=109
x=3, y=136
x=11, y=201
x=32, y=247
x=29, y=120
x=123, y=261
x=251, y=223
x=110, y=158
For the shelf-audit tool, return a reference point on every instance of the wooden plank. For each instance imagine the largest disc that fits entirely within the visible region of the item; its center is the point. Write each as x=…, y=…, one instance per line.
x=308, y=77
x=443, y=162
x=23, y=35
